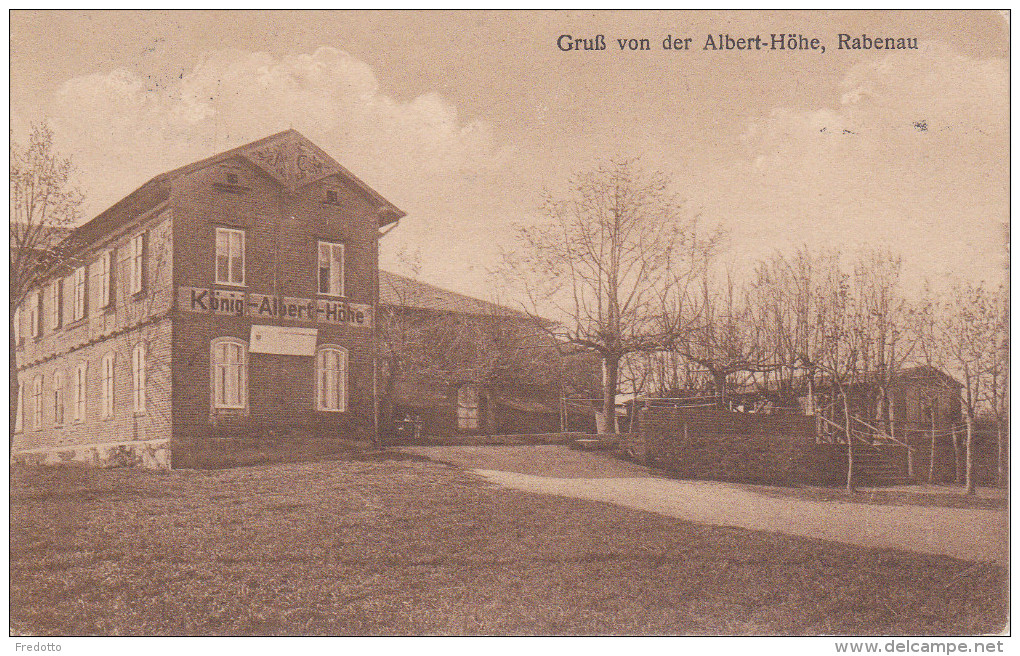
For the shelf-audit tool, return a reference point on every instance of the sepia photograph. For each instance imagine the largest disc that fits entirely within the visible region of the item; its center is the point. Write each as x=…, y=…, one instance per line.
x=510, y=323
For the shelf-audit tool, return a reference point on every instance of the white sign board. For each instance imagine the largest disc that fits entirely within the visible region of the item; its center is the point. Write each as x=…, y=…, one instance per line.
x=283, y=340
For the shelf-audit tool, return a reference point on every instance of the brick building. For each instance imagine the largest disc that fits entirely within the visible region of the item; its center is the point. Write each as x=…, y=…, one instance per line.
x=462, y=366
x=232, y=297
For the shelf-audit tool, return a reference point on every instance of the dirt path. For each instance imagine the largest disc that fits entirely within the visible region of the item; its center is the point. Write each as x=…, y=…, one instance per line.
x=968, y=534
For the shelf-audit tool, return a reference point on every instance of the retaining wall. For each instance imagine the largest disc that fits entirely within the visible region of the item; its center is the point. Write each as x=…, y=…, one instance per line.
x=708, y=443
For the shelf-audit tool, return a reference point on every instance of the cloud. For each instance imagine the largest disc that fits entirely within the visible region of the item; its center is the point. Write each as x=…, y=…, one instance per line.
x=449, y=174
x=124, y=120
x=913, y=154
x=887, y=105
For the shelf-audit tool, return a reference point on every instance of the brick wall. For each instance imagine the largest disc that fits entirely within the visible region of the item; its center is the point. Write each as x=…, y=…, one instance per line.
x=130, y=320
x=728, y=446
x=282, y=230
x=124, y=424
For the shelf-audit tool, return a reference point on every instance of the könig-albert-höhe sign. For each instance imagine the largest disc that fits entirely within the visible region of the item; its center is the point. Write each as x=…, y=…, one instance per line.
x=266, y=306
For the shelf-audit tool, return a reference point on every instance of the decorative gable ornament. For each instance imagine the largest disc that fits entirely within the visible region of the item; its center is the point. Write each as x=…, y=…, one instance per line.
x=292, y=160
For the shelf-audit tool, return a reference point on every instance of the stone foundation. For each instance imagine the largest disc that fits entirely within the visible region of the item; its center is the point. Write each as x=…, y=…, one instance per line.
x=152, y=454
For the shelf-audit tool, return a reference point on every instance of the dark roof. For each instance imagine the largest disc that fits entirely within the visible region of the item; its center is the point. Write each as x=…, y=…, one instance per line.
x=397, y=290
x=928, y=373
x=157, y=190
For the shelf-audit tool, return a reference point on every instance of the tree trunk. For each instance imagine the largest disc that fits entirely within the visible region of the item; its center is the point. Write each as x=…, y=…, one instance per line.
x=612, y=373
x=970, y=459
x=931, y=462
x=14, y=383
x=387, y=402
x=1001, y=475
x=849, y=446
x=719, y=381
x=957, y=474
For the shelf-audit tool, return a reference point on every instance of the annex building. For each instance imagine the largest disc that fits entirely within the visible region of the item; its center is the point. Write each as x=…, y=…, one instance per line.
x=234, y=296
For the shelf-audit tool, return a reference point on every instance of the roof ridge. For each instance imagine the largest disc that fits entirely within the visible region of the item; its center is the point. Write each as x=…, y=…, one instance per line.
x=489, y=304
x=98, y=223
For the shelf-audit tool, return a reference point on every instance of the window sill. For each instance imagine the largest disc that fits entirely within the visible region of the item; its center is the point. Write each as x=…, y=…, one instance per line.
x=75, y=323
x=235, y=285
x=341, y=297
x=331, y=411
x=137, y=296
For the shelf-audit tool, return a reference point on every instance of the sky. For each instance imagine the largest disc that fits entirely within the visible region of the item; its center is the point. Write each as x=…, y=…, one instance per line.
x=463, y=119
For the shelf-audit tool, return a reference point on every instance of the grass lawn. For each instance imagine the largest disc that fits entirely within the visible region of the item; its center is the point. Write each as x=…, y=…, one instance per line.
x=416, y=547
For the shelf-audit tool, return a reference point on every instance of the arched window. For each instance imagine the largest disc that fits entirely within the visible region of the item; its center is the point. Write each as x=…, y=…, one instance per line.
x=58, y=399
x=229, y=370
x=106, y=389
x=37, y=403
x=467, y=407
x=19, y=419
x=331, y=379
x=138, y=377
x=80, y=378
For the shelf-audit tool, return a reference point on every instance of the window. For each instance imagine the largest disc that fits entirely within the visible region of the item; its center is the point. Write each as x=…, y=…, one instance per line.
x=80, y=378
x=138, y=377
x=17, y=327
x=57, y=303
x=106, y=269
x=136, y=263
x=232, y=178
x=35, y=314
x=107, y=385
x=331, y=268
x=331, y=379
x=332, y=197
x=58, y=399
x=19, y=414
x=229, y=373
x=467, y=408
x=37, y=403
x=229, y=256
x=80, y=293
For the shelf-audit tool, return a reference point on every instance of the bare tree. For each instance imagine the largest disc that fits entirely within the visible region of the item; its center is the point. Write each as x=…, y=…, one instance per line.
x=610, y=261
x=967, y=328
x=834, y=349
x=888, y=329
x=997, y=389
x=725, y=338
x=44, y=203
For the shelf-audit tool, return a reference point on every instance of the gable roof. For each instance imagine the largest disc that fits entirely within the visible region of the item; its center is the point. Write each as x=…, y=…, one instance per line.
x=397, y=290
x=927, y=373
x=288, y=157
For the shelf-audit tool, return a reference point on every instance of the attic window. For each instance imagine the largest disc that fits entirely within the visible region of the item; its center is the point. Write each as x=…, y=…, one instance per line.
x=230, y=179
x=332, y=197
